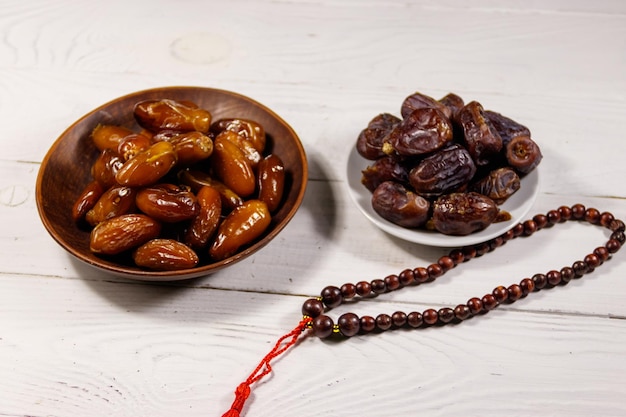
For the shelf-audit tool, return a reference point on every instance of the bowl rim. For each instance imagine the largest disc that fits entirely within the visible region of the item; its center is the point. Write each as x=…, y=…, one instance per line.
x=198, y=271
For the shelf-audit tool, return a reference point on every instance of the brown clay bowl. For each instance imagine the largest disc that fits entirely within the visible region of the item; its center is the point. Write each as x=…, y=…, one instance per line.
x=66, y=170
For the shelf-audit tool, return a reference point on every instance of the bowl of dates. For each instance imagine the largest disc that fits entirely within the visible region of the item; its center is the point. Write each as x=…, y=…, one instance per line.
x=444, y=172
x=171, y=183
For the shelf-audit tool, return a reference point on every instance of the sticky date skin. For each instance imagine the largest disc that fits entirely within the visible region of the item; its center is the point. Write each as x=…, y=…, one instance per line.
x=461, y=214
x=481, y=138
x=156, y=115
x=499, y=184
x=167, y=202
x=165, y=255
x=123, y=233
x=384, y=169
x=422, y=131
x=395, y=203
x=370, y=141
x=444, y=171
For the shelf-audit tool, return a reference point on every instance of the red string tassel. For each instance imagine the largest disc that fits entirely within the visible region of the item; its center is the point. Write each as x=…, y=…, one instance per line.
x=264, y=367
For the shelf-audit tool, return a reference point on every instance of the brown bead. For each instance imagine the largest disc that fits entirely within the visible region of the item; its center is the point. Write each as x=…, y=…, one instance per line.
x=527, y=285
x=392, y=282
x=602, y=253
x=406, y=277
x=508, y=235
x=457, y=256
x=348, y=291
x=446, y=263
x=475, y=305
x=489, y=302
x=617, y=226
x=462, y=312
x=415, y=319
x=541, y=220
x=554, y=217
x=578, y=211
x=434, y=271
x=495, y=243
x=580, y=268
x=566, y=213
x=430, y=316
x=554, y=277
x=383, y=322
x=515, y=292
x=518, y=229
x=501, y=293
x=469, y=252
x=363, y=288
x=312, y=307
x=421, y=274
x=567, y=274
x=592, y=216
x=613, y=245
x=619, y=236
x=331, y=296
x=606, y=218
x=368, y=324
x=446, y=314
x=349, y=324
x=482, y=248
x=322, y=326
x=592, y=262
x=540, y=281
x=530, y=227
x=399, y=319
x=378, y=286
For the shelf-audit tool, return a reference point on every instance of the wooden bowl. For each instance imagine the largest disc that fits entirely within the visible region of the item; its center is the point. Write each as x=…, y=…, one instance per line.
x=66, y=170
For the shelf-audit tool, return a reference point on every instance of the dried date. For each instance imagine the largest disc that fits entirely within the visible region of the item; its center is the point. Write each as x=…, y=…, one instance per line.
x=461, y=214
x=394, y=202
x=167, y=114
x=384, y=169
x=271, y=181
x=499, y=184
x=167, y=203
x=165, y=255
x=422, y=131
x=442, y=172
x=506, y=127
x=523, y=154
x=418, y=100
x=370, y=141
x=123, y=233
x=481, y=138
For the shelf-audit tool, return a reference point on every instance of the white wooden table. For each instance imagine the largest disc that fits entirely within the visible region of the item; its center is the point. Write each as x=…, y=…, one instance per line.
x=76, y=342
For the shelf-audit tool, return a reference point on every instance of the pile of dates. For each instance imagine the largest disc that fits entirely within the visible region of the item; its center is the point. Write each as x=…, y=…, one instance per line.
x=181, y=190
x=444, y=165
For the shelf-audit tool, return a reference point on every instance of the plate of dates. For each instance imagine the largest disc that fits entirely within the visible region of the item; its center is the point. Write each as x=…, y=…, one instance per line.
x=444, y=173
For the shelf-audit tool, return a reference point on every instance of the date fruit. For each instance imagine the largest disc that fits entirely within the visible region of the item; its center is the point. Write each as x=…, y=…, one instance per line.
x=384, y=169
x=506, y=127
x=481, y=138
x=231, y=166
x=197, y=179
x=241, y=227
x=271, y=181
x=422, y=131
x=105, y=168
x=165, y=255
x=109, y=136
x=444, y=171
x=86, y=200
x=499, y=185
x=461, y=214
x=192, y=147
x=167, y=114
x=248, y=129
x=114, y=202
x=418, y=100
x=523, y=154
x=204, y=225
x=393, y=202
x=123, y=233
x=167, y=203
x=370, y=141
x=147, y=167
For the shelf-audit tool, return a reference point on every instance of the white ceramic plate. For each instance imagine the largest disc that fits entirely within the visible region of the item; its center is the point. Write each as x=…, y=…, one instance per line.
x=518, y=205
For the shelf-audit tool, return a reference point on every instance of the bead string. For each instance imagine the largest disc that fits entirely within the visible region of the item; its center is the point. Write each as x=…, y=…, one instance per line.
x=349, y=324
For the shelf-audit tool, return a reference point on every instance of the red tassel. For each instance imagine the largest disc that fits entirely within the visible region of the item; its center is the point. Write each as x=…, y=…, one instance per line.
x=263, y=368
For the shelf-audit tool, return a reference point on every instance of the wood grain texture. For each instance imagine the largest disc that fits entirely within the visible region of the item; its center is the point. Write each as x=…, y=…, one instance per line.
x=75, y=341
